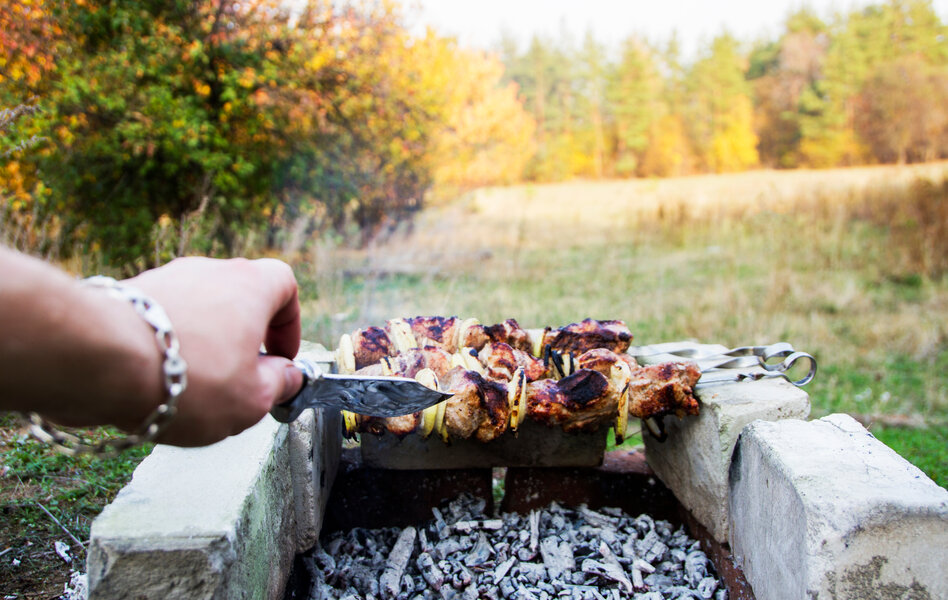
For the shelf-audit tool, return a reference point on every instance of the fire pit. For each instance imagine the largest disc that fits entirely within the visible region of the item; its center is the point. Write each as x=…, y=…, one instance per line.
x=563, y=532
x=241, y=518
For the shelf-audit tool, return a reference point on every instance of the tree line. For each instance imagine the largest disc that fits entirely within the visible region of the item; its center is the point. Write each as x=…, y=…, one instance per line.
x=143, y=129
x=869, y=86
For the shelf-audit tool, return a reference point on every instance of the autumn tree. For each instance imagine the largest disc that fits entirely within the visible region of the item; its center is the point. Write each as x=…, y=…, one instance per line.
x=902, y=110
x=859, y=43
x=719, y=110
x=780, y=72
x=487, y=137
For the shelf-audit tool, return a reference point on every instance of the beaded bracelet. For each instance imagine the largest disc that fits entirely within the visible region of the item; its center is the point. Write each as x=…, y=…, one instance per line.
x=174, y=369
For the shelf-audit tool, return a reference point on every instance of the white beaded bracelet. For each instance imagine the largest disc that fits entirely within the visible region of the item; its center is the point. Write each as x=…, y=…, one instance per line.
x=174, y=368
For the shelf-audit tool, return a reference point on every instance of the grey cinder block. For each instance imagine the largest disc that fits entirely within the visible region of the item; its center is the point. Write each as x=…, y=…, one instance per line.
x=822, y=509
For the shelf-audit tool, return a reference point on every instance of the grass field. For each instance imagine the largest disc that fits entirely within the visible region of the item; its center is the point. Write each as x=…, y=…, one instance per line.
x=846, y=264
x=843, y=264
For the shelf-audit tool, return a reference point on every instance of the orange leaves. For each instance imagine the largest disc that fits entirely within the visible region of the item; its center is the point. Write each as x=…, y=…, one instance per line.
x=27, y=32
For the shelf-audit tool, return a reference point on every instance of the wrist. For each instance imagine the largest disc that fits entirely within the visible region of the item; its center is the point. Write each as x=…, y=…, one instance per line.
x=173, y=368
x=128, y=374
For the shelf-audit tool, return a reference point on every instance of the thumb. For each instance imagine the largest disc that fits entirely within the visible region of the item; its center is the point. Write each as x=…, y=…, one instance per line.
x=281, y=378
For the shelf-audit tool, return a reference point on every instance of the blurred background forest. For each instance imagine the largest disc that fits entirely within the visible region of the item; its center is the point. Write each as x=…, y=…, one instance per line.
x=141, y=130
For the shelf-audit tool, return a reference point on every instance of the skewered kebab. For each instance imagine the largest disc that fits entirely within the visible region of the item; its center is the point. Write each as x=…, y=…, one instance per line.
x=496, y=381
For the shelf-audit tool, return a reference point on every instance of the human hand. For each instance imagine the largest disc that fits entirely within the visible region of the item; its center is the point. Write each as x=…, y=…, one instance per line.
x=222, y=311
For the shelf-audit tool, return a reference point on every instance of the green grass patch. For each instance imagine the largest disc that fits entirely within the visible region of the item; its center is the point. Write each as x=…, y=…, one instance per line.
x=73, y=489
x=926, y=448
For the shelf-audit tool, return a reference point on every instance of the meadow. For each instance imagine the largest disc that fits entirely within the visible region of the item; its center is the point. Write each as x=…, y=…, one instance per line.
x=847, y=264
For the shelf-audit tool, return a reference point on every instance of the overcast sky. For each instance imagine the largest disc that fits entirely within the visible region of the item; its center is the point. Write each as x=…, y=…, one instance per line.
x=479, y=22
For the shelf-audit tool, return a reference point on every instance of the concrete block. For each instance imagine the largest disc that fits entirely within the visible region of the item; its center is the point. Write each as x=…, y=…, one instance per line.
x=200, y=523
x=694, y=461
x=315, y=443
x=822, y=509
x=534, y=445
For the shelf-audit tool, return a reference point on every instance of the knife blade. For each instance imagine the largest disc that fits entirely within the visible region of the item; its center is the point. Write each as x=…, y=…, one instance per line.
x=365, y=395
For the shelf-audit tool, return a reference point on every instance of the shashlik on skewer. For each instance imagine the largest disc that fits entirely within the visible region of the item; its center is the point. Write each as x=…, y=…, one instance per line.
x=584, y=380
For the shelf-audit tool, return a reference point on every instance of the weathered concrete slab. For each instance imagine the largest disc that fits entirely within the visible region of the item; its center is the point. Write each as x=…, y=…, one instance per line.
x=534, y=445
x=824, y=510
x=694, y=461
x=213, y=522
x=315, y=443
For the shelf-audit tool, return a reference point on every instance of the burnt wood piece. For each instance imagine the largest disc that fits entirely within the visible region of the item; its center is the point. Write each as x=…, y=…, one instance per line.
x=368, y=497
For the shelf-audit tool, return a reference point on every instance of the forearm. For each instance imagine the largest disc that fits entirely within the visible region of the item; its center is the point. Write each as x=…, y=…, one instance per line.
x=71, y=352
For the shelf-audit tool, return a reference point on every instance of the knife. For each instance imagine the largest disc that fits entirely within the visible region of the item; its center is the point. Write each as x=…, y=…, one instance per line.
x=365, y=395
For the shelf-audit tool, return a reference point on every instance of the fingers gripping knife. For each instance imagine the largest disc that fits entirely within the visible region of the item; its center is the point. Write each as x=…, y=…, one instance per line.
x=371, y=396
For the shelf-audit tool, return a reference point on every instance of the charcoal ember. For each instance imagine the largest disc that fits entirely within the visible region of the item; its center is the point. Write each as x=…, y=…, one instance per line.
x=659, y=581
x=681, y=592
x=430, y=571
x=480, y=553
x=554, y=553
x=526, y=554
x=446, y=548
x=696, y=567
x=508, y=588
x=533, y=572
x=706, y=587
x=503, y=568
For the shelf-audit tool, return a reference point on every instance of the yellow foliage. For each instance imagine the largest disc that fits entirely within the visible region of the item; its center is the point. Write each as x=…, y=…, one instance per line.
x=668, y=153
x=734, y=143
x=487, y=138
x=832, y=148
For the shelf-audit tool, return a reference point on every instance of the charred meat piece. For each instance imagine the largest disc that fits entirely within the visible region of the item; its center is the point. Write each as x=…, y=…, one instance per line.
x=435, y=331
x=666, y=388
x=579, y=402
x=479, y=406
x=501, y=360
x=509, y=332
x=370, y=345
x=580, y=337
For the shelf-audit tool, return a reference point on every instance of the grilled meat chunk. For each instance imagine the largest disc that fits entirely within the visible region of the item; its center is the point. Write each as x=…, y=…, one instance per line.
x=479, y=406
x=501, y=360
x=509, y=332
x=435, y=331
x=370, y=345
x=601, y=360
x=407, y=364
x=579, y=402
x=580, y=337
x=666, y=388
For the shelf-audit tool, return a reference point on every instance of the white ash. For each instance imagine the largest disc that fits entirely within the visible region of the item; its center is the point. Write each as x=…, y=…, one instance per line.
x=554, y=553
